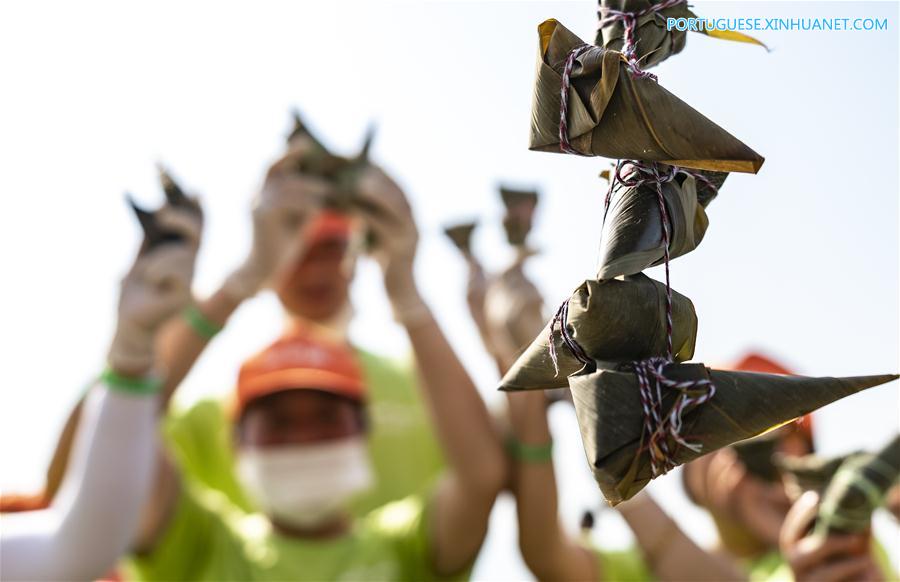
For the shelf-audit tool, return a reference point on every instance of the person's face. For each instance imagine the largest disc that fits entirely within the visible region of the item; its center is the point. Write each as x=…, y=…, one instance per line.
x=299, y=417
x=318, y=286
x=748, y=511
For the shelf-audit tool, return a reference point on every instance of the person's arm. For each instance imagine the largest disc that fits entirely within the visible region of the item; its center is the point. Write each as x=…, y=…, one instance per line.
x=94, y=518
x=670, y=553
x=476, y=464
x=549, y=552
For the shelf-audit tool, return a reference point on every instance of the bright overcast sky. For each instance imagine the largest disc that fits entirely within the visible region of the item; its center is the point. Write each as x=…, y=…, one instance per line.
x=800, y=261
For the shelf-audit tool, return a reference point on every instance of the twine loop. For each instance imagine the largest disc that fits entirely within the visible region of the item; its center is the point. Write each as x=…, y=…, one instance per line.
x=561, y=320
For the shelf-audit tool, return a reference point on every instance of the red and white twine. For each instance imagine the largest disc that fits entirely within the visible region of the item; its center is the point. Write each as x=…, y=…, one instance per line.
x=659, y=428
x=629, y=22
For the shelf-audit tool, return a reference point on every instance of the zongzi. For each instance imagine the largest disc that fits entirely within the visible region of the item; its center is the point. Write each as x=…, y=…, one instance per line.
x=858, y=488
x=808, y=473
x=611, y=114
x=612, y=418
x=632, y=236
x=461, y=235
x=613, y=320
x=517, y=222
x=513, y=309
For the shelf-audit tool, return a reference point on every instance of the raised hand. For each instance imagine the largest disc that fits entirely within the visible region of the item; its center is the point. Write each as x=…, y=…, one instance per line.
x=157, y=286
x=280, y=212
x=394, y=237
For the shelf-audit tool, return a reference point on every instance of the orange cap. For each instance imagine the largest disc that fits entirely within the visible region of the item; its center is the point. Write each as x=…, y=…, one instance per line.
x=300, y=359
x=754, y=362
x=329, y=225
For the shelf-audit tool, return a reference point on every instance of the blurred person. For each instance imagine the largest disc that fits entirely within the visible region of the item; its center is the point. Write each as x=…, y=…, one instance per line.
x=664, y=552
x=95, y=516
x=299, y=434
x=311, y=270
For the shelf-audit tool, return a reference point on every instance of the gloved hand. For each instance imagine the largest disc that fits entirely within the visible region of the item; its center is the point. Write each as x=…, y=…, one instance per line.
x=280, y=212
x=156, y=287
x=395, y=238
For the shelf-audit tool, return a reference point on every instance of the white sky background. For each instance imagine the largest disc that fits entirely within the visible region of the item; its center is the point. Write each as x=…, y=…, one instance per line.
x=800, y=260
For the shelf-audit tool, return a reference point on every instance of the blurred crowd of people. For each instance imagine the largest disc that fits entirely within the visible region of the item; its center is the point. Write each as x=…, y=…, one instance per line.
x=329, y=462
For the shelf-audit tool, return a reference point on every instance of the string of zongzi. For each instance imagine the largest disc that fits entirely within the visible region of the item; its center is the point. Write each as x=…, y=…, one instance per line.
x=658, y=427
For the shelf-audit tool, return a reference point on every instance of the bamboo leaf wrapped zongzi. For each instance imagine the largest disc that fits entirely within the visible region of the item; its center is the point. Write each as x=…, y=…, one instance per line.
x=632, y=236
x=857, y=489
x=612, y=419
x=520, y=206
x=612, y=114
x=513, y=309
x=613, y=320
x=809, y=472
x=461, y=236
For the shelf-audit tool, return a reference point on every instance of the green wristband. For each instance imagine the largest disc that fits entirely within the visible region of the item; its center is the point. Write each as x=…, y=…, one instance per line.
x=120, y=383
x=200, y=323
x=529, y=453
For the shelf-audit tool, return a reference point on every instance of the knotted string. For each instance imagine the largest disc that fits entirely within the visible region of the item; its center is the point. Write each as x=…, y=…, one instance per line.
x=629, y=20
x=658, y=428
x=651, y=174
x=649, y=372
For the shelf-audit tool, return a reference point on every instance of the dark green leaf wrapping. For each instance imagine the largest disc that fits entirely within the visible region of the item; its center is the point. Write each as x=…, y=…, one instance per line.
x=610, y=416
x=616, y=116
x=613, y=320
x=808, y=473
x=461, y=236
x=632, y=236
x=857, y=489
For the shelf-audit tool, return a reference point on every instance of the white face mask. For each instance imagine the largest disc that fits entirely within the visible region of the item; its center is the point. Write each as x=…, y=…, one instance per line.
x=306, y=485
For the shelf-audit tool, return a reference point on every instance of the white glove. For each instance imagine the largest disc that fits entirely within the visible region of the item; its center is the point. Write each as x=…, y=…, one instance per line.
x=280, y=212
x=157, y=287
x=389, y=219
